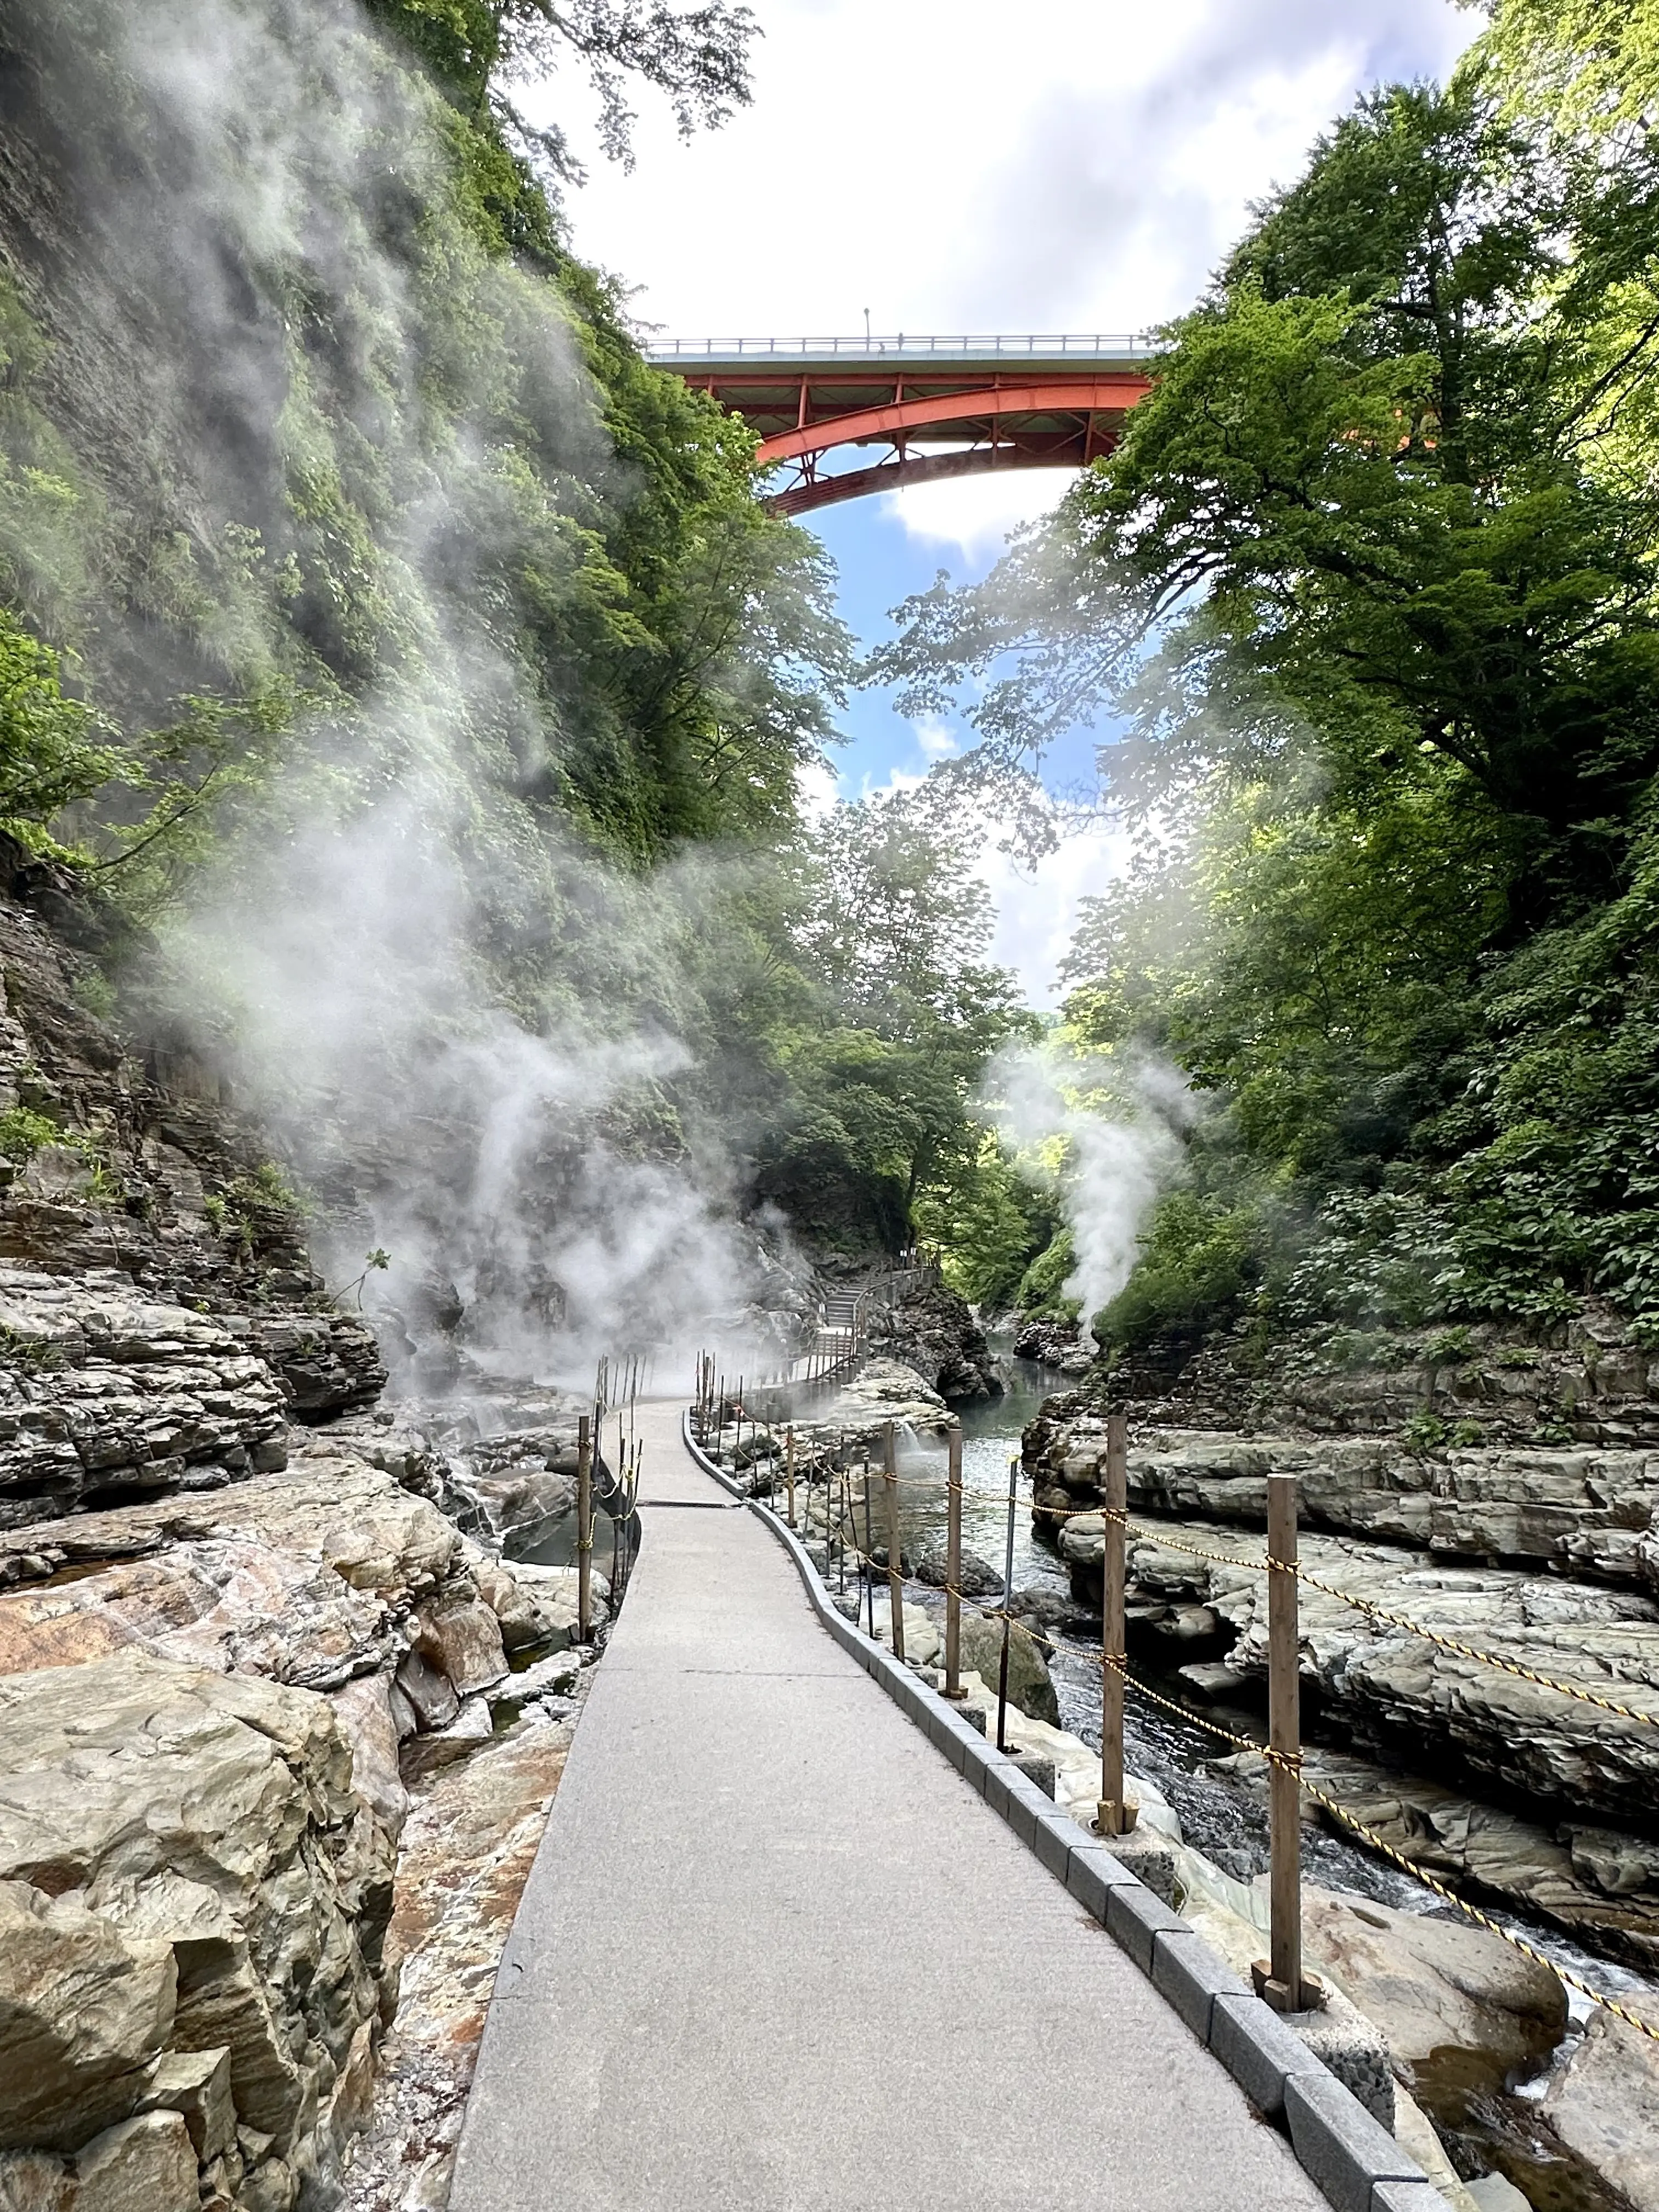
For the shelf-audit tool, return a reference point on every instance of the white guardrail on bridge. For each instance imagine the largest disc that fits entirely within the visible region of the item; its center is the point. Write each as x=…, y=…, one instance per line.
x=1087, y=345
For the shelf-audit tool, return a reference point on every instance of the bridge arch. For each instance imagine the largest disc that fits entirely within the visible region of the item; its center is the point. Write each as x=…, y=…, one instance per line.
x=941, y=407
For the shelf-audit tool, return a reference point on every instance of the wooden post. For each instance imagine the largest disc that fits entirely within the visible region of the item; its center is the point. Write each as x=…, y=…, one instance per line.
x=789, y=1470
x=584, y=1530
x=1007, y=1617
x=1279, y=1978
x=895, y=1571
x=869, y=1541
x=1114, y=1816
x=953, y=1567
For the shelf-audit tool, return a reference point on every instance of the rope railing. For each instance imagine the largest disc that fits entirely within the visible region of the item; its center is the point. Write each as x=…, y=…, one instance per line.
x=1283, y=1757
x=1292, y=1762
x=1143, y=1533
x=1157, y=1537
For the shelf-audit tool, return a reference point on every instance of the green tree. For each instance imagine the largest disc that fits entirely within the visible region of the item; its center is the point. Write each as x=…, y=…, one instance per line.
x=51, y=748
x=1368, y=594
x=900, y=1014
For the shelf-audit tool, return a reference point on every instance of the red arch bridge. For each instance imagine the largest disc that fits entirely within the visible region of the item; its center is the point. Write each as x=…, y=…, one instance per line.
x=932, y=406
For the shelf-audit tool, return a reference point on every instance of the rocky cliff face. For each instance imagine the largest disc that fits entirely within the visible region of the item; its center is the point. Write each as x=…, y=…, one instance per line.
x=245, y=1622
x=928, y=1326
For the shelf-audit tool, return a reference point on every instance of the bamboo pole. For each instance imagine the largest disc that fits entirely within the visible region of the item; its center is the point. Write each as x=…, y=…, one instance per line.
x=1114, y=1815
x=1279, y=1978
x=953, y=1567
x=895, y=1571
x=584, y=1530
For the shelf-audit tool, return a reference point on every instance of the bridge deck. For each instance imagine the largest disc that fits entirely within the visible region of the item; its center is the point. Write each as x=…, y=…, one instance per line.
x=776, y=1954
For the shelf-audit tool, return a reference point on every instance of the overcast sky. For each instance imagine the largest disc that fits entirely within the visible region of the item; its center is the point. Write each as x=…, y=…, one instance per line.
x=963, y=166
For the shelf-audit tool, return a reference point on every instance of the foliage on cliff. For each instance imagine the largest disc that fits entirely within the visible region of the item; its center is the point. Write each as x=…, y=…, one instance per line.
x=1368, y=593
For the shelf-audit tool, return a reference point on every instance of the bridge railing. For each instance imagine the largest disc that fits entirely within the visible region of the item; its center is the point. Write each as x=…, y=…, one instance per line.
x=1084, y=344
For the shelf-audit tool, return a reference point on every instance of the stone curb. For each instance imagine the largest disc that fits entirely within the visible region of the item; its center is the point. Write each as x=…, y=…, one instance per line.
x=1351, y=2158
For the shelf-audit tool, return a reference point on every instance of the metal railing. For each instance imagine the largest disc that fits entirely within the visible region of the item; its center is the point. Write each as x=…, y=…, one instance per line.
x=1132, y=345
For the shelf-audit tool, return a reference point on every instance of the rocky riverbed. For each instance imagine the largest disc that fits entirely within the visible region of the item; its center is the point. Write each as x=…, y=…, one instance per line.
x=1502, y=1496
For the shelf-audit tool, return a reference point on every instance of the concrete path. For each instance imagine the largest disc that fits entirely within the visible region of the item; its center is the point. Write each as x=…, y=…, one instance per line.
x=776, y=1955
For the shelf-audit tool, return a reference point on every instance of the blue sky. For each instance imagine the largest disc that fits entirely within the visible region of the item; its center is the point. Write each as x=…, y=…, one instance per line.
x=1084, y=171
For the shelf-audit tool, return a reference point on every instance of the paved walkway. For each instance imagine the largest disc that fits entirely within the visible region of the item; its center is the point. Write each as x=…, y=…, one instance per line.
x=776, y=1955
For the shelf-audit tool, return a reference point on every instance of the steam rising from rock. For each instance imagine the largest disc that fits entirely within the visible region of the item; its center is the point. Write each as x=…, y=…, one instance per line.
x=460, y=1021
x=1106, y=1136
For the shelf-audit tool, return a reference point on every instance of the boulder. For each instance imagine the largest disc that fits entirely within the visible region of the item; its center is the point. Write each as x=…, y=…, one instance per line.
x=535, y=1606
x=1029, y=1685
x=424, y=1754
x=1462, y=2009
x=327, y=1505
x=556, y=1676
x=106, y=1391
x=1054, y=1343
x=1493, y=2193
x=225, y=1603
x=460, y=1637
x=1578, y=1510
x=212, y=1815
x=146, y=2165
x=429, y=1693
x=1580, y=1878
x=326, y=1362
x=364, y=1709
x=196, y=2084
x=34, y=2181
x=883, y=1390
x=1399, y=1692
x=977, y=1577
x=922, y=1641
x=1601, y=2105
x=933, y=1330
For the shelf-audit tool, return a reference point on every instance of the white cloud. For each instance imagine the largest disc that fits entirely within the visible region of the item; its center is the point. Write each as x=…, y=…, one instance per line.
x=971, y=516
x=936, y=742
x=1090, y=184
x=1037, y=908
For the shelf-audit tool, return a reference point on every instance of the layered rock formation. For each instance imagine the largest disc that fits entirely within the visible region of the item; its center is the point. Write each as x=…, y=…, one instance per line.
x=244, y=1623
x=928, y=1326
x=1525, y=1534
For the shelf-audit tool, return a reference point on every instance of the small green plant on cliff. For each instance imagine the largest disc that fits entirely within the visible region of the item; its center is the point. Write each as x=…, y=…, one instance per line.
x=1424, y=1433
x=50, y=753
x=93, y=992
x=266, y=1186
x=243, y=1209
x=23, y=1131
